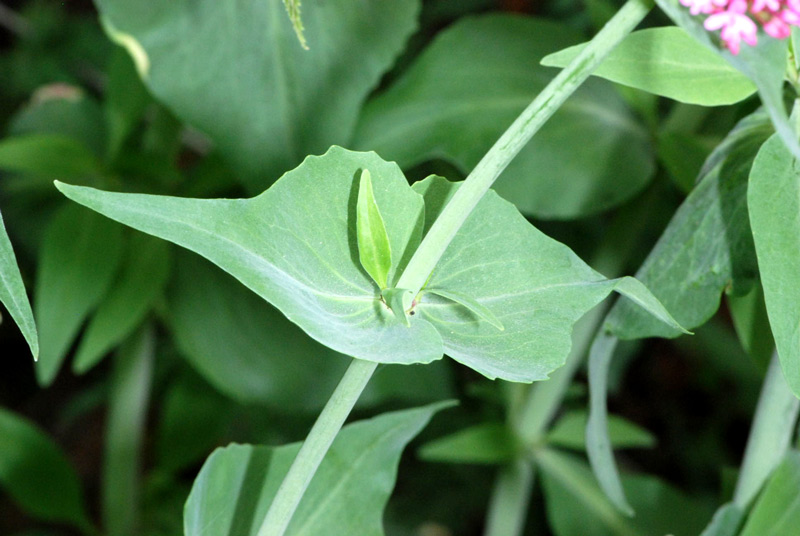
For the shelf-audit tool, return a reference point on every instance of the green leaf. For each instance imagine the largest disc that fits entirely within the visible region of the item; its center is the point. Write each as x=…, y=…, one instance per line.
x=464, y=90
x=570, y=432
x=683, y=156
x=399, y=301
x=464, y=300
x=12, y=292
x=577, y=507
x=49, y=155
x=295, y=245
x=37, y=475
x=777, y=511
x=374, y=249
x=267, y=362
x=668, y=62
x=707, y=246
x=726, y=521
x=142, y=279
x=269, y=108
x=346, y=497
x=491, y=443
x=749, y=315
x=537, y=287
x=774, y=202
x=764, y=64
x=125, y=102
x=77, y=263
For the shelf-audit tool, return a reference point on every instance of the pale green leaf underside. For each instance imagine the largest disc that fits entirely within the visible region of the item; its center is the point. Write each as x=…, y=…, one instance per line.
x=773, y=199
x=668, y=62
x=295, y=245
x=234, y=70
x=346, y=497
x=12, y=292
x=777, y=511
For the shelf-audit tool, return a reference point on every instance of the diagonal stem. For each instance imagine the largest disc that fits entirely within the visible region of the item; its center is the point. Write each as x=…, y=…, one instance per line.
x=514, y=139
x=315, y=446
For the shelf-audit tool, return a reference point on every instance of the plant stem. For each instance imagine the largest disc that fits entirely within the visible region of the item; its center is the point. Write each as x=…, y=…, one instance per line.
x=315, y=446
x=770, y=435
x=514, y=139
x=13, y=22
x=509, y=503
x=127, y=411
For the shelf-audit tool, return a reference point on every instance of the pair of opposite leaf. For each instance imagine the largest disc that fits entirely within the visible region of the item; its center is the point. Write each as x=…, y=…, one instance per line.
x=375, y=254
x=502, y=299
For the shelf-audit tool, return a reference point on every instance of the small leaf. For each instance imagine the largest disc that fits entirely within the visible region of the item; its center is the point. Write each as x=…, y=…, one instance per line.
x=461, y=299
x=374, y=249
x=37, y=475
x=49, y=155
x=12, y=292
x=347, y=496
x=668, y=62
x=570, y=432
x=77, y=263
x=774, y=203
x=484, y=443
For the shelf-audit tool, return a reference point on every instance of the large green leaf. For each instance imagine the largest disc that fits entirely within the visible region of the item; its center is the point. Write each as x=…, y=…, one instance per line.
x=347, y=495
x=12, y=292
x=295, y=245
x=77, y=263
x=140, y=282
x=668, y=62
x=774, y=203
x=764, y=64
x=236, y=71
x=37, y=475
x=777, y=511
x=707, y=247
x=472, y=82
x=267, y=362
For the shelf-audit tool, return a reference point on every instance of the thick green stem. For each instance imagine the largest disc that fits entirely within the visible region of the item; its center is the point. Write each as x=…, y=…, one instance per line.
x=317, y=443
x=127, y=411
x=770, y=435
x=509, y=503
x=514, y=139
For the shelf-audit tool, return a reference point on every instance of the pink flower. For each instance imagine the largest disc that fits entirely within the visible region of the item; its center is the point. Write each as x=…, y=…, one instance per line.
x=777, y=28
x=772, y=6
x=735, y=24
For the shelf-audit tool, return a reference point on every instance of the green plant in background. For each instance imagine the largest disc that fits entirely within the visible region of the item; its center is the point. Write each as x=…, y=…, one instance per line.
x=391, y=273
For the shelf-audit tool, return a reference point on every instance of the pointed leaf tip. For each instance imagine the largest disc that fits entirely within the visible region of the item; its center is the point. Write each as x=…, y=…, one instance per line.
x=374, y=250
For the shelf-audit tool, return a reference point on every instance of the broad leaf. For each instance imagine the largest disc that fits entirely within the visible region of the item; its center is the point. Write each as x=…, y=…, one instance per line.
x=295, y=245
x=764, y=64
x=570, y=432
x=268, y=361
x=347, y=495
x=707, y=247
x=465, y=89
x=668, y=62
x=269, y=107
x=774, y=203
x=12, y=292
x=535, y=287
x=37, y=474
x=576, y=506
x=777, y=511
x=140, y=282
x=77, y=263
x=483, y=443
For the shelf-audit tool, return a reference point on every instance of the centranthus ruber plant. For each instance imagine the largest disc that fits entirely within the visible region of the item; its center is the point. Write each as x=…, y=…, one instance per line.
x=736, y=19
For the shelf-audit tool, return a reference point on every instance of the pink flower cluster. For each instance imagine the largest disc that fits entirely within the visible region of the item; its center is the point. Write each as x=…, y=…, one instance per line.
x=737, y=18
